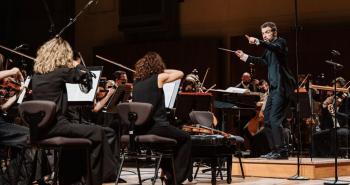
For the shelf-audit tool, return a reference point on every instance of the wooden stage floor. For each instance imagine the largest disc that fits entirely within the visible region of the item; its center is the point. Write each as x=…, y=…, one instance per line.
x=281, y=167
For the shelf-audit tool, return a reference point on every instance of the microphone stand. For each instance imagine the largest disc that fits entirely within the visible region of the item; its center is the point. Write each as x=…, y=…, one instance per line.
x=336, y=180
x=297, y=116
x=71, y=21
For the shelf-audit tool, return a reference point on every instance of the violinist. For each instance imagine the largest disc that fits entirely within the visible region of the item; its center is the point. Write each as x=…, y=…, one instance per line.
x=12, y=134
x=17, y=137
x=150, y=77
x=11, y=84
x=54, y=66
x=110, y=88
x=327, y=119
x=120, y=78
x=104, y=95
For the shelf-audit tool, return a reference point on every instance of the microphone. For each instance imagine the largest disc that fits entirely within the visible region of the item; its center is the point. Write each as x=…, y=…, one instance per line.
x=335, y=52
x=334, y=63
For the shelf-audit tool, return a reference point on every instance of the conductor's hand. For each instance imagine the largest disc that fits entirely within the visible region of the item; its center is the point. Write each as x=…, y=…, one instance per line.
x=239, y=53
x=251, y=40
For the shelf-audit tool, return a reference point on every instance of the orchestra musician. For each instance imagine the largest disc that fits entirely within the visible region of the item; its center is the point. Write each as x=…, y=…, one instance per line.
x=120, y=77
x=327, y=119
x=323, y=139
x=282, y=83
x=247, y=83
x=17, y=137
x=54, y=66
x=12, y=134
x=150, y=77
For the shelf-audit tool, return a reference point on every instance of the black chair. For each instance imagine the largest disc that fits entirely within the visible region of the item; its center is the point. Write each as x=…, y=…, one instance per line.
x=219, y=149
x=136, y=114
x=40, y=116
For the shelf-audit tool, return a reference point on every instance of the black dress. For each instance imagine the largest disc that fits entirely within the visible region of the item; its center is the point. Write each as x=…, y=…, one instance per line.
x=51, y=86
x=147, y=91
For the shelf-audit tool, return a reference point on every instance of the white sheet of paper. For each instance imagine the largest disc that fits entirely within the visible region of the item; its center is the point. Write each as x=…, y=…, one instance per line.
x=76, y=95
x=170, y=92
x=232, y=90
x=23, y=93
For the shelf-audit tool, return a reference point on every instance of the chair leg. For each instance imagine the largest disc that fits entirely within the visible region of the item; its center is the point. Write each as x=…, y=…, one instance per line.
x=120, y=169
x=213, y=171
x=229, y=169
x=88, y=177
x=241, y=165
x=173, y=166
x=157, y=169
x=138, y=171
x=56, y=156
x=195, y=174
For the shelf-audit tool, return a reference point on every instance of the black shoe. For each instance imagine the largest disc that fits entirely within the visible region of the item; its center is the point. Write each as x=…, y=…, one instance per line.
x=120, y=180
x=267, y=155
x=278, y=155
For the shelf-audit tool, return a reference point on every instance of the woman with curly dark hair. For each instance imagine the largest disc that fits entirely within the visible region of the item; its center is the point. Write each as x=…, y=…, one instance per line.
x=150, y=77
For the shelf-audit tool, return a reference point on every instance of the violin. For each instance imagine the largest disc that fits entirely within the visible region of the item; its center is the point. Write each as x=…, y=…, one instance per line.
x=8, y=88
x=204, y=130
x=101, y=92
x=10, y=84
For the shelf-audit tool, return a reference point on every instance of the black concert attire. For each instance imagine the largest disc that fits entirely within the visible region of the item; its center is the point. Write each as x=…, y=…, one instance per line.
x=51, y=86
x=282, y=85
x=81, y=114
x=23, y=168
x=147, y=90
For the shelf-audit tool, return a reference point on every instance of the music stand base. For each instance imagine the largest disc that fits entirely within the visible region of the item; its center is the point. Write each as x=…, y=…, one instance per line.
x=297, y=177
x=335, y=182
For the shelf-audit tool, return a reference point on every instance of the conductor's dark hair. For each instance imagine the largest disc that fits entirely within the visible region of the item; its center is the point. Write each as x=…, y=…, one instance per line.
x=272, y=25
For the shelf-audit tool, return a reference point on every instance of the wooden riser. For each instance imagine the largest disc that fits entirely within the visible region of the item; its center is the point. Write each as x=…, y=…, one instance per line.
x=315, y=169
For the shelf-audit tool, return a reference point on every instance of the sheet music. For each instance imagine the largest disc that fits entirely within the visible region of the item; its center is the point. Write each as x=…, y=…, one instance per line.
x=76, y=95
x=170, y=92
x=232, y=90
x=23, y=93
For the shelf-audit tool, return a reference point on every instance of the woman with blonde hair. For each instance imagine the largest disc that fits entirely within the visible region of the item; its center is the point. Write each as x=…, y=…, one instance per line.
x=54, y=66
x=150, y=77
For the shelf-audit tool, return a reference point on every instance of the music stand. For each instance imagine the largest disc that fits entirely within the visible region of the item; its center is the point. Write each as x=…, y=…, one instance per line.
x=123, y=92
x=188, y=101
x=77, y=96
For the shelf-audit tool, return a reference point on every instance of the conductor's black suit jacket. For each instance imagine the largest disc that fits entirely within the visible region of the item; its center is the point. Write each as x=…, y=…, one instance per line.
x=275, y=57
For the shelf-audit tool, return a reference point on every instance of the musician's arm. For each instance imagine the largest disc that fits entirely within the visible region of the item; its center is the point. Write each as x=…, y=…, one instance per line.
x=100, y=104
x=12, y=72
x=9, y=103
x=169, y=75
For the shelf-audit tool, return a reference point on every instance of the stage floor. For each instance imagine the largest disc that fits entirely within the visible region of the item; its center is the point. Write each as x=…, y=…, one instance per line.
x=204, y=179
x=315, y=168
x=281, y=168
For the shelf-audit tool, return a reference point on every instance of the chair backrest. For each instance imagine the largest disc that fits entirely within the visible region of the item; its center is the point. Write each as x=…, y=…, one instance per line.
x=39, y=115
x=142, y=110
x=204, y=118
